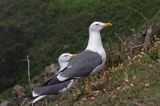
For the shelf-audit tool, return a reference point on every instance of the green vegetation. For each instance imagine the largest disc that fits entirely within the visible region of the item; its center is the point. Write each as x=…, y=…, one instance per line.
x=43, y=29
x=136, y=84
x=142, y=85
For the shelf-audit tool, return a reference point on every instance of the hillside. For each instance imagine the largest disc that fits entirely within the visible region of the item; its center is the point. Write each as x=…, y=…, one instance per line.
x=43, y=29
x=134, y=84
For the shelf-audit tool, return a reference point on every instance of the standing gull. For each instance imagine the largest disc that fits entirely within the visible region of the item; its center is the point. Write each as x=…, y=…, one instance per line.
x=89, y=61
x=46, y=88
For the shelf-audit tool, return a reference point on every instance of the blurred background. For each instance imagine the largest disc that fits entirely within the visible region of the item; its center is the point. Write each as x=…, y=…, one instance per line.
x=43, y=29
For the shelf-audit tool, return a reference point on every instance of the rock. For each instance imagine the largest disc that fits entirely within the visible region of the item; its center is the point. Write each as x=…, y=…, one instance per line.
x=18, y=91
x=146, y=85
x=84, y=99
x=50, y=70
x=53, y=68
x=92, y=98
x=5, y=103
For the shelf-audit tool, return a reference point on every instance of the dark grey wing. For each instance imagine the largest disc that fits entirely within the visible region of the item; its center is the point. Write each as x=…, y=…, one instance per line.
x=49, y=81
x=82, y=65
x=54, y=89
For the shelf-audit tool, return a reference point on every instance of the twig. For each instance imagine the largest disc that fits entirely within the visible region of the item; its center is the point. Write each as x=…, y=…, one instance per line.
x=22, y=104
x=119, y=38
x=29, y=78
x=137, y=11
x=137, y=46
x=148, y=37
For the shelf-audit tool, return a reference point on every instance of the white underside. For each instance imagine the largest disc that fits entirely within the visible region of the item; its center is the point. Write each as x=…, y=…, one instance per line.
x=68, y=87
x=34, y=94
x=98, y=68
x=38, y=98
x=61, y=78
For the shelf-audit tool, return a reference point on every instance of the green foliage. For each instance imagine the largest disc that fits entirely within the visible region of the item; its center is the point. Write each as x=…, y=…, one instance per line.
x=6, y=94
x=57, y=26
x=14, y=45
x=146, y=82
x=143, y=86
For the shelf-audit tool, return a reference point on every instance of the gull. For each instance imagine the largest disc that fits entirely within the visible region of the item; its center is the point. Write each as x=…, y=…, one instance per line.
x=48, y=89
x=89, y=61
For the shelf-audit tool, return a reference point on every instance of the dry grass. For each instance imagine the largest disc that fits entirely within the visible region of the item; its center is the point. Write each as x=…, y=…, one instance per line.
x=129, y=83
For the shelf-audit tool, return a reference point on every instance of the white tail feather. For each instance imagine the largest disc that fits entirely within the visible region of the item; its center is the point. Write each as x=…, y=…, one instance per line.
x=38, y=98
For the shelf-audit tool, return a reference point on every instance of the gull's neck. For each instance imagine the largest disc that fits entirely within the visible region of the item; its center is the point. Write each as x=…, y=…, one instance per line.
x=94, y=43
x=63, y=65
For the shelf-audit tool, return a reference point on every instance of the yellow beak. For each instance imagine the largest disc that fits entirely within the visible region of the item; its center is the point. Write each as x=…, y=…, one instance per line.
x=74, y=55
x=107, y=25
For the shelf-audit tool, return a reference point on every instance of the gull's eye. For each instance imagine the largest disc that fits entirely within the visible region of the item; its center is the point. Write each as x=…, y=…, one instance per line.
x=65, y=55
x=97, y=24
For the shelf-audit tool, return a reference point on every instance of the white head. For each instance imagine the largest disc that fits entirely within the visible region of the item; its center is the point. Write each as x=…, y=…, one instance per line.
x=64, y=59
x=97, y=26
